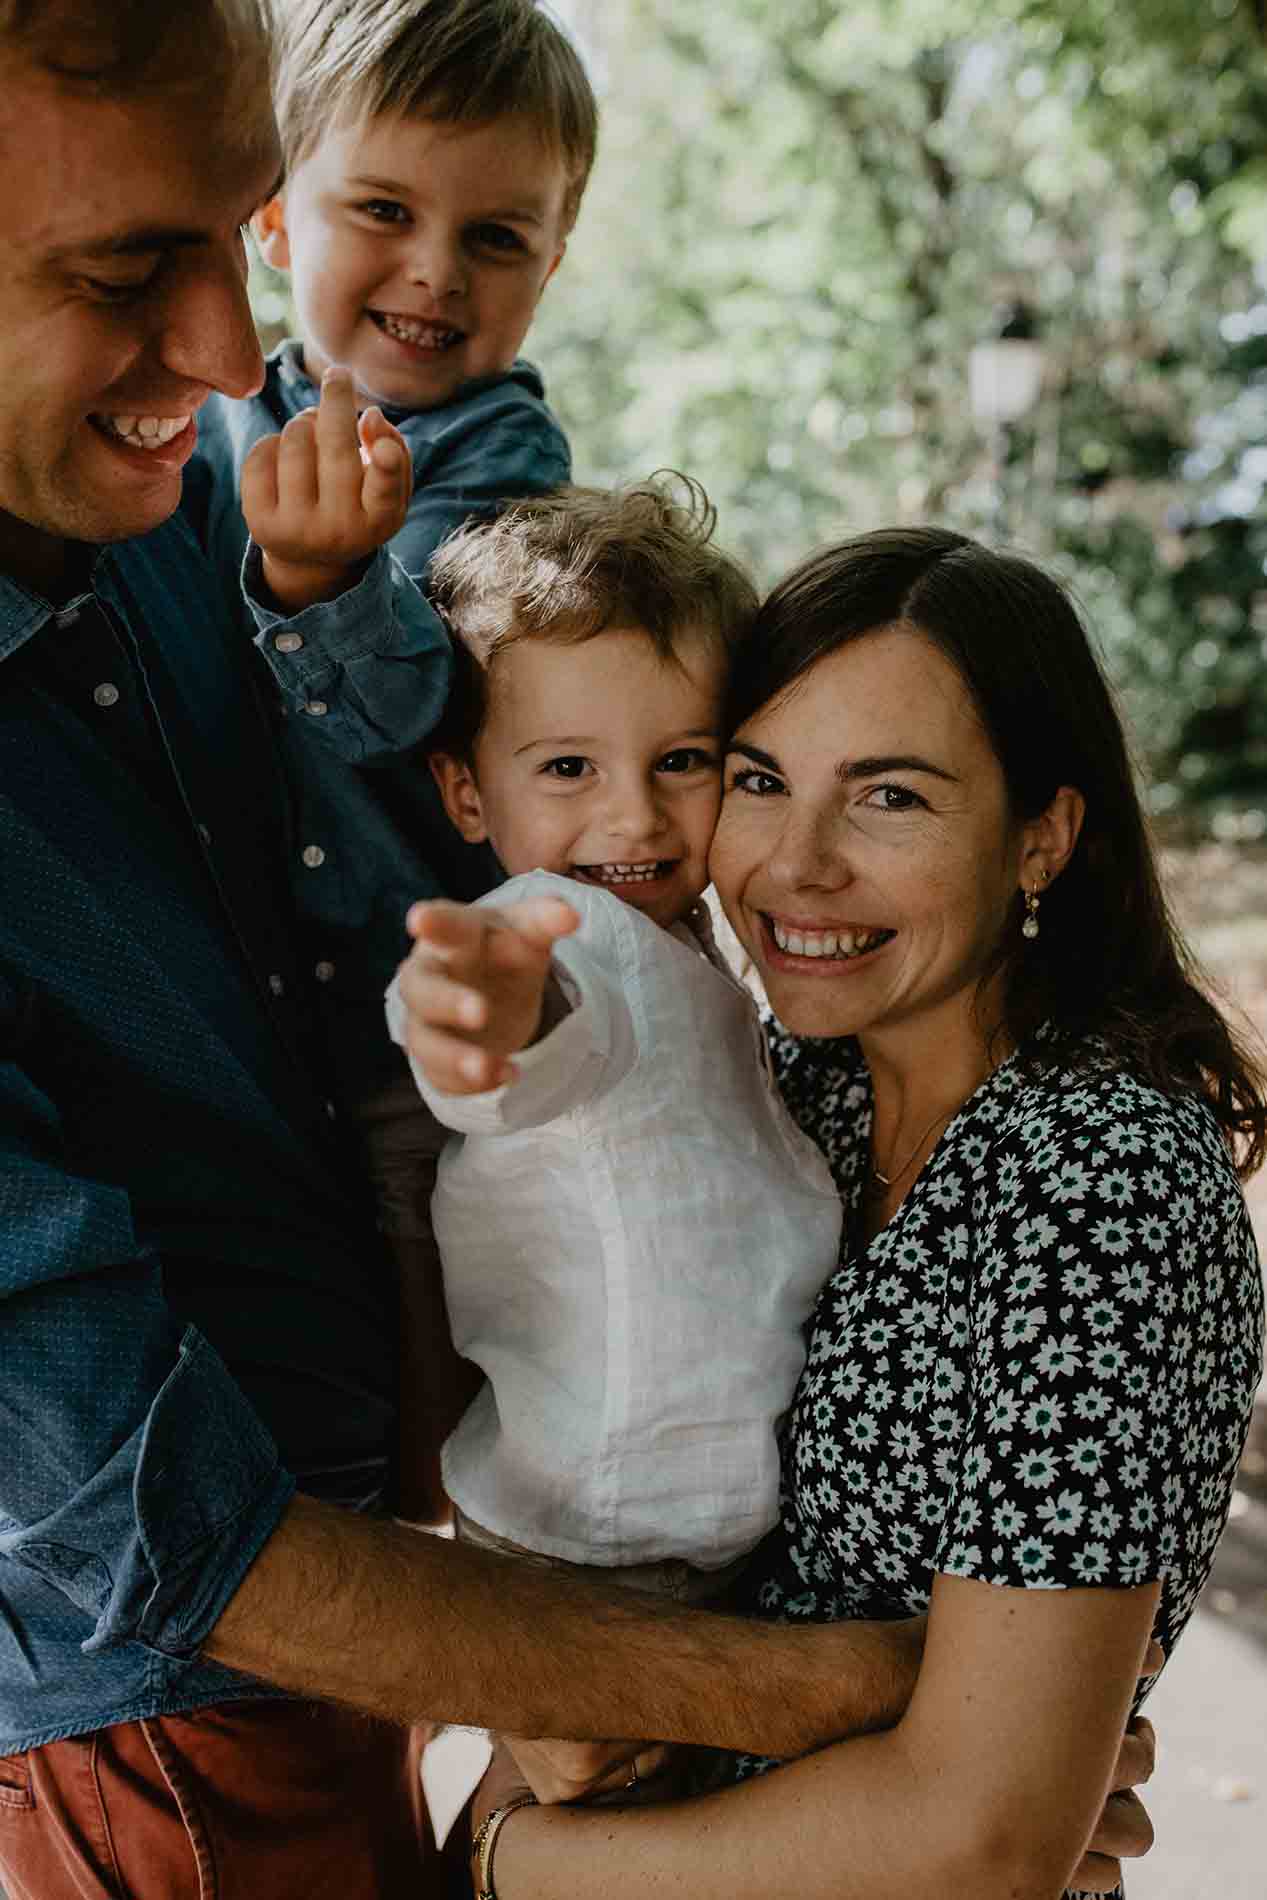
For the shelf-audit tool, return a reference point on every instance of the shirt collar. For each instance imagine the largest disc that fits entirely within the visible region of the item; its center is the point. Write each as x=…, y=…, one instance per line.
x=24, y=614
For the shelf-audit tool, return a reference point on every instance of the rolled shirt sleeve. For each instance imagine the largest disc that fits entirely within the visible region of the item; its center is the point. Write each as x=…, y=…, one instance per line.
x=368, y=672
x=137, y=1479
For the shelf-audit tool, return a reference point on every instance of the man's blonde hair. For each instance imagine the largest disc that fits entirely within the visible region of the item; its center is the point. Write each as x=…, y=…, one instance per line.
x=567, y=566
x=118, y=46
x=459, y=62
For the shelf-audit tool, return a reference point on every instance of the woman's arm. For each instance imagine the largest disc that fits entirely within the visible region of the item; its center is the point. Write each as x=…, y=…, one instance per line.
x=990, y=1785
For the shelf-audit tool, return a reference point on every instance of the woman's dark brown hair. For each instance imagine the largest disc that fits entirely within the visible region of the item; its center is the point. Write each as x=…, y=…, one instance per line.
x=1108, y=961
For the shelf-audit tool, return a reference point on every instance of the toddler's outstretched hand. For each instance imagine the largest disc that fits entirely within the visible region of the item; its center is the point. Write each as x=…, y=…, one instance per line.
x=325, y=494
x=474, y=985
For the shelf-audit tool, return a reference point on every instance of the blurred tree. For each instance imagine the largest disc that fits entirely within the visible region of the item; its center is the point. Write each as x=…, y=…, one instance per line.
x=802, y=219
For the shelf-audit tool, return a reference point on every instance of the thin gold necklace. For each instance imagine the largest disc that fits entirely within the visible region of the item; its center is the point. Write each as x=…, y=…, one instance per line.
x=880, y=1180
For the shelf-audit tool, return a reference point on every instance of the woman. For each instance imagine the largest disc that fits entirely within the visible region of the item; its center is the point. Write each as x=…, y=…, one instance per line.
x=1029, y=1381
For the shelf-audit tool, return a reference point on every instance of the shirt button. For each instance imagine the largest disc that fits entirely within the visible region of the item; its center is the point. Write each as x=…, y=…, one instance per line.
x=331, y=1111
x=288, y=642
x=276, y=984
x=313, y=856
x=323, y=972
x=107, y=694
x=317, y=708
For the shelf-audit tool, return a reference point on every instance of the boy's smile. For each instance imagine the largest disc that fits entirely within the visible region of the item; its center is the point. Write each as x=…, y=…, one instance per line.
x=598, y=760
x=418, y=251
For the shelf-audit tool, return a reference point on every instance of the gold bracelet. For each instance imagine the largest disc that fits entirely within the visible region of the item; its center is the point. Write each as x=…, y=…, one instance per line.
x=486, y=1840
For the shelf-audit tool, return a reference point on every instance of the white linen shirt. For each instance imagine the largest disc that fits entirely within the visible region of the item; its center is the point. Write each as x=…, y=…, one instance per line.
x=633, y=1233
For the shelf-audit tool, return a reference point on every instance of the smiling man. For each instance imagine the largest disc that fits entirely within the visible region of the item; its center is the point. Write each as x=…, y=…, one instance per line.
x=196, y=1324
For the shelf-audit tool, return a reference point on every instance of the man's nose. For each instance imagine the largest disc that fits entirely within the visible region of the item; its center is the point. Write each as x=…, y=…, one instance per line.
x=208, y=335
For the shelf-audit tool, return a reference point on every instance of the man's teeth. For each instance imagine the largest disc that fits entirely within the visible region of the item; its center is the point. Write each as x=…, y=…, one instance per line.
x=826, y=943
x=643, y=873
x=145, y=432
x=428, y=336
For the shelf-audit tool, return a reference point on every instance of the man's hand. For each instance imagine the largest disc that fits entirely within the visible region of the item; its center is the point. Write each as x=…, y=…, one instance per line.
x=1124, y=1831
x=474, y=985
x=569, y=1771
x=324, y=495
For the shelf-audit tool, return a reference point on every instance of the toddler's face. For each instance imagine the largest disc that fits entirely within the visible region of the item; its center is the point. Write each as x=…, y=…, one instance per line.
x=599, y=761
x=418, y=251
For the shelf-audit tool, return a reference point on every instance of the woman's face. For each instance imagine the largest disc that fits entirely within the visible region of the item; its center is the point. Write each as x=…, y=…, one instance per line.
x=865, y=853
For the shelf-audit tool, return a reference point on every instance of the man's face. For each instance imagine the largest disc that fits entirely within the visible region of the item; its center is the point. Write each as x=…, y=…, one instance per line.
x=122, y=305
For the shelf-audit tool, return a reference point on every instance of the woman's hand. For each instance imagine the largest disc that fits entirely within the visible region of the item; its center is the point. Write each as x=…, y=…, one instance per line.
x=1124, y=1831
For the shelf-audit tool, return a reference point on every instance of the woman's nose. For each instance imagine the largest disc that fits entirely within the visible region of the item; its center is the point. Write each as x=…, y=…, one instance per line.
x=807, y=854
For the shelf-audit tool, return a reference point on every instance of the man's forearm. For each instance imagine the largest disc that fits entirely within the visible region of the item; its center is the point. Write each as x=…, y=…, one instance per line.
x=409, y=1626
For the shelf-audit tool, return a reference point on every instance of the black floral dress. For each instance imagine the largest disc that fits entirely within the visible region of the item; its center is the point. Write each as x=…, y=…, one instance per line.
x=1040, y=1372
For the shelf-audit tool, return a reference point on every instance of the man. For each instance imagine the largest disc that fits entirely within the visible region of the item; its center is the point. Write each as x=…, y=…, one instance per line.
x=195, y=1310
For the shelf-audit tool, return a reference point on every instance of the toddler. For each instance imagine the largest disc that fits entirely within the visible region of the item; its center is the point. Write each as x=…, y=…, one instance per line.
x=633, y=1231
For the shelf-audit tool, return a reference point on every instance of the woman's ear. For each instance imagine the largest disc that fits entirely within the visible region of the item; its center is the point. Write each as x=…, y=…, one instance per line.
x=268, y=227
x=1049, y=840
x=460, y=795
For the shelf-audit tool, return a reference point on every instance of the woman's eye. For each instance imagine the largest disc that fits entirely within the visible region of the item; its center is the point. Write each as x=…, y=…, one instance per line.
x=893, y=798
x=569, y=767
x=759, y=784
x=384, y=210
x=687, y=758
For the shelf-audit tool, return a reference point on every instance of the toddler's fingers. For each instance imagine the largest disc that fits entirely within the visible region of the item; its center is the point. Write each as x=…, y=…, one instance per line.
x=387, y=482
x=541, y=921
x=454, y=1065
x=434, y=998
x=445, y=930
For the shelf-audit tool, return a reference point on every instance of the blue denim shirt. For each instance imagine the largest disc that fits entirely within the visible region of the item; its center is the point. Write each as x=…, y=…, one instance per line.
x=360, y=706
x=194, y=1309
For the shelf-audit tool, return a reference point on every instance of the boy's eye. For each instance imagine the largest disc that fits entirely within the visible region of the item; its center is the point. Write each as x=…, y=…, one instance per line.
x=497, y=237
x=687, y=758
x=571, y=766
x=384, y=210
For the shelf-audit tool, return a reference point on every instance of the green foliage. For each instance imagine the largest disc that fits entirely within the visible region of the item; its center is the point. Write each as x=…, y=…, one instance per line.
x=803, y=217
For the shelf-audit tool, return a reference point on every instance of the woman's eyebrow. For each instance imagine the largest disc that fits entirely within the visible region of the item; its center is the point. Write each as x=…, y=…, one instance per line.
x=850, y=769
x=754, y=753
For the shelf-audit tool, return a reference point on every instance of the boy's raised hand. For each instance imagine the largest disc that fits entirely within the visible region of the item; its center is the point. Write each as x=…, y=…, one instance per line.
x=325, y=494
x=474, y=985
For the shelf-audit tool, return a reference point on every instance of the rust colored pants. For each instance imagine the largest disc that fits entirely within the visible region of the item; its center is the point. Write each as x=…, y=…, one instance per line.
x=243, y=1801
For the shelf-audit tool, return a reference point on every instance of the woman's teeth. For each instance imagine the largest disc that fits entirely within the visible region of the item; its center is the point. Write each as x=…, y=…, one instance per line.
x=643, y=873
x=827, y=943
x=426, y=336
x=144, y=432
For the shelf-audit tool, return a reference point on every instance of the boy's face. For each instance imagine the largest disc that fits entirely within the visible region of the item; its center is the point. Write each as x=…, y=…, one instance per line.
x=417, y=251
x=599, y=761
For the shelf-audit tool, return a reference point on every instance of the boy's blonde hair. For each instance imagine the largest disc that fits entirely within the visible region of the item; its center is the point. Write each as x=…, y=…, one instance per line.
x=459, y=62
x=565, y=567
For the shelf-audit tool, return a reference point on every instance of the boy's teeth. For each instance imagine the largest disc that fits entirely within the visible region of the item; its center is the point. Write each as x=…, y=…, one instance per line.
x=145, y=432
x=430, y=336
x=825, y=943
x=625, y=873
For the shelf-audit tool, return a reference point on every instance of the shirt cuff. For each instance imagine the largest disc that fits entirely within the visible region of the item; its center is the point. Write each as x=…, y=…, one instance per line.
x=177, y=1515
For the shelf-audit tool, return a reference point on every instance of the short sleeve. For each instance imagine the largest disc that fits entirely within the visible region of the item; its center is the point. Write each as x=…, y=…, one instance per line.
x=1114, y=1330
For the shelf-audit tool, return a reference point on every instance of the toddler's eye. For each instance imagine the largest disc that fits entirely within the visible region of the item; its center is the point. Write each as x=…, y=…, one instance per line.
x=384, y=210
x=571, y=766
x=687, y=758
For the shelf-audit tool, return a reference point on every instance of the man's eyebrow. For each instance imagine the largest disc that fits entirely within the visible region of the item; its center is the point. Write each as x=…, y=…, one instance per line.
x=143, y=240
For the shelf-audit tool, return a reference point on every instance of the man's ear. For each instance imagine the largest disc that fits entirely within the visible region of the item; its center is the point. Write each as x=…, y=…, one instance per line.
x=268, y=225
x=461, y=795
